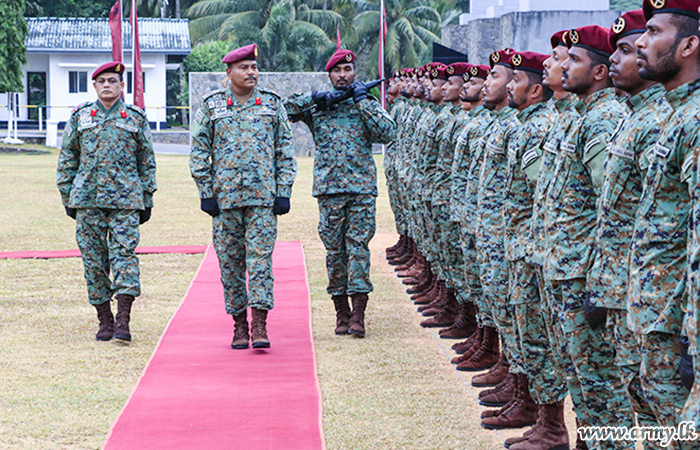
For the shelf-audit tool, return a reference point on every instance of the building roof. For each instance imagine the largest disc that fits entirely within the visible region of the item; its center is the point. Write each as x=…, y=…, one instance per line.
x=54, y=34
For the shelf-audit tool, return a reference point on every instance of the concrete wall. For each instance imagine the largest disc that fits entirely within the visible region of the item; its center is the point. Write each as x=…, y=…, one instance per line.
x=518, y=30
x=480, y=9
x=285, y=84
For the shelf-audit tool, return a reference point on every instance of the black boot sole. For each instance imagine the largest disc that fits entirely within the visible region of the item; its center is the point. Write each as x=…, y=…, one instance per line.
x=261, y=345
x=493, y=404
x=123, y=337
x=501, y=427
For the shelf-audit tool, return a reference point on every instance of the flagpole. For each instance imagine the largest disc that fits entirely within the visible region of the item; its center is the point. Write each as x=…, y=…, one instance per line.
x=382, y=86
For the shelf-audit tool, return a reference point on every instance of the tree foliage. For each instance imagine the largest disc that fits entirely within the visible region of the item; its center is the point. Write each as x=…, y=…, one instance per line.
x=13, y=34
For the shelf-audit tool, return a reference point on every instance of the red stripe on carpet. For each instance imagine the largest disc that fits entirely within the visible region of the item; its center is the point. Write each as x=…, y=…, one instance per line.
x=75, y=253
x=198, y=393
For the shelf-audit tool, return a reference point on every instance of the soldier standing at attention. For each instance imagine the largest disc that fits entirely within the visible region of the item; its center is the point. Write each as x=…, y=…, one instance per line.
x=661, y=246
x=625, y=169
x=107, y=176
x=345, y=184
x=242, y=161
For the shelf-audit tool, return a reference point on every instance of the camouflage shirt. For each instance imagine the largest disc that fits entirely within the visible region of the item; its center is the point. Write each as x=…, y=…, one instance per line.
x=431, y=152
x=492, y=180
x=524, y=157
x=106, y=158
x=566, y=116
x=443, y=179
x=659, y=249
x=420, y=141
x=242, y=154
x=576, y=183
x=622, y=187
x=343, y=136
x=465, y=167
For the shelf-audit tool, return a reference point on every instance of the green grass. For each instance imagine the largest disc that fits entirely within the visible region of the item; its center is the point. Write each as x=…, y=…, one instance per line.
x=60, y=389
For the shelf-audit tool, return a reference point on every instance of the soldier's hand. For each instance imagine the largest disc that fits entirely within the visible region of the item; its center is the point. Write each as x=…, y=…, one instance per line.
x=144, y=215
x=339, y=95
x=319, y=97
x=595, y=315
x=686, y=368
x=210, y=206
x=360, y=91
x=281, y=206
x=71, y=212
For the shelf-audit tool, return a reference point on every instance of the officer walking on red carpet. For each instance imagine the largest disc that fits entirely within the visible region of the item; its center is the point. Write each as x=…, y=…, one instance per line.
x=107, y=176
x=242, y=161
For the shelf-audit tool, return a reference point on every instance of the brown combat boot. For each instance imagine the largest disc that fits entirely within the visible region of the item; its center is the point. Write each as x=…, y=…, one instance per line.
x=461, y=347
x=503, y=393
x=240, y=331
x=438, y=302
x=414, y=270
x=549, y=433
x=403, y=258
x=357, y=317
x=259, y=328
x=486, y=356
x=465, y=324
x=408, y=260
x=342, y=314
x=474, y=345
x=522, y=413
x=448, y=315
x=104, y=315
x=425, y=282
x=429, y=295
x=495, y=375
x=121, y=325
x=397, y=246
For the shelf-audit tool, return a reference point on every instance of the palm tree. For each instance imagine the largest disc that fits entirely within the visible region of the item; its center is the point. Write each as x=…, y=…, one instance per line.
x=412, y=25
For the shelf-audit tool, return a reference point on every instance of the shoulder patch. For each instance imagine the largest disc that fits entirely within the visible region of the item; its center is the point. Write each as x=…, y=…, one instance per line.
x=218, y=94
x=136, y=109
x=81, y=106
x=271, y=92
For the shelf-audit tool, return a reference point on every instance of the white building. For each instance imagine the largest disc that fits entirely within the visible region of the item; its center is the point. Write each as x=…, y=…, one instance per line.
x=483, y=9
x=62, y=54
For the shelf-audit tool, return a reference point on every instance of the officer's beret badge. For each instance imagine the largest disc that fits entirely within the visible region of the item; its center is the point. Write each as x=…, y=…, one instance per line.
x=619, y=25
x=517, y=60
x=495, y=57
x=574, y=36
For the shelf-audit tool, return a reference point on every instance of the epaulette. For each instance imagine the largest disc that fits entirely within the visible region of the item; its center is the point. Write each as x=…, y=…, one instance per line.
x=370, y=96
x=221, y=92
x=137, y=109
x=81, y=106
x=273, y=93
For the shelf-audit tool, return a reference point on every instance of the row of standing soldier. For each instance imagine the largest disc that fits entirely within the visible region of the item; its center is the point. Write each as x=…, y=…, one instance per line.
x=547, y=213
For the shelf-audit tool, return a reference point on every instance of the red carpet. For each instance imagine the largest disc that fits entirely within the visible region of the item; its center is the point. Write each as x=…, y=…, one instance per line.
x=198, y=393
x=37, y=254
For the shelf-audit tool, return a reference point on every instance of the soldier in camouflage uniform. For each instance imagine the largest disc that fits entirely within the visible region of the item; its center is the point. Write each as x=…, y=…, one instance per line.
x=345, y=184
x=571, y=204
x=107, y=176
x=659, y=247
x=396, y=103
x=622, y=187
x=242, y=161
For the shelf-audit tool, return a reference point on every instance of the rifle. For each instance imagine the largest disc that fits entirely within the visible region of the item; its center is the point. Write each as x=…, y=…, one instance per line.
x=329, y=100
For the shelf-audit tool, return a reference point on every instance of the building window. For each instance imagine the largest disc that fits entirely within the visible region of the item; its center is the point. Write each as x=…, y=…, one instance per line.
x=77, y=82
x=129, y=82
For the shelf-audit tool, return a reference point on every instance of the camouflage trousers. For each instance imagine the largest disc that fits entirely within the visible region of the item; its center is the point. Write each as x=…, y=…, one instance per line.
x=244, y=239
x=494, y=280
x=431, y=233
x=447, y=248
x=107, y=239
x=547, y=383
x=627, y=360
x=691, y=410
x=394, y=200
x=593, y=356
x=346, y=225
x=660, y=355
x=473, y=291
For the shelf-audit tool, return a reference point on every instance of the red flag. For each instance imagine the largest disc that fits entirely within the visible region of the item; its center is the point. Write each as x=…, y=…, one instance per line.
x=337, y=39
x=115, y=26
x=137, y=72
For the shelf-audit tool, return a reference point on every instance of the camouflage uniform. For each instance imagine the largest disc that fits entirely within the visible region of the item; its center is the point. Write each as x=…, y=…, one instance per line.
x=243, y=156
x=619, y=199
x=658, y=254
x=547, y=384
x=490, y=230
x=571, y=200
x=107, y=171
x=345, y=185
x=390, y=167
x=468, y=156
x=411, y=120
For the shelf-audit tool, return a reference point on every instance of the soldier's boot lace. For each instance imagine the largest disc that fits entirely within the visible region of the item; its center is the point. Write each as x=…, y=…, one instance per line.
x=240, y=331
x=259, y=329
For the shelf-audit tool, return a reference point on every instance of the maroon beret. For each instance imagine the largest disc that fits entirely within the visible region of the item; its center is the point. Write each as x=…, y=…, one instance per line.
x=420, y=71
x=478, y=71
x=438, y=73
x=407, y=72
x=112, y=67
x=340, y=57
x=433, y=65
x=501, y=57
x=631, y=22
x=683, y=7
x=559, y=38
x=248, y=52
x=458, y=68
x=529, y=61
x=591, y=37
